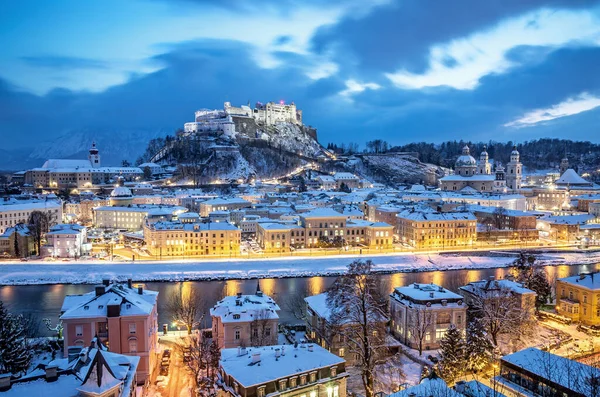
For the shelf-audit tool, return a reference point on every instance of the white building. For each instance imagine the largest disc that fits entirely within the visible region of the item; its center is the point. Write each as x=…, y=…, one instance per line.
x=67, y=241
x=132, y=217
x=18, y=211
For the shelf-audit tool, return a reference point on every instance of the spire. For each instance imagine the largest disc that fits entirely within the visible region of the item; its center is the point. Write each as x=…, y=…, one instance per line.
x=258, y=291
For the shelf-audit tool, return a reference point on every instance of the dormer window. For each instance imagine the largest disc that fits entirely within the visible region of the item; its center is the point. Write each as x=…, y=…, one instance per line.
x=313, y=377
x=293, y=382
x=282, y=384
x=236, y=316
x=86, y=307
x=333, y=372
x=261, y=391
x=302, y=380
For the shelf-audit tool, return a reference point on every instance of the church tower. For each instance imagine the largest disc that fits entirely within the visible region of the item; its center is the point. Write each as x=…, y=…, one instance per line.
x=484, y=167
x=500, y=180
x=564, y=165
x=94, y=156
x=514, y=170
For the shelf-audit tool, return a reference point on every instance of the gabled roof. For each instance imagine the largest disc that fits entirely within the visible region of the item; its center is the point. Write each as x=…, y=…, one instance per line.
x=570, y=177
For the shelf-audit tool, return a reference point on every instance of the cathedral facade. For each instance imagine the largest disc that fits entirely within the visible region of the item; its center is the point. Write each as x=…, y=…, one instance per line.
x=472, y=175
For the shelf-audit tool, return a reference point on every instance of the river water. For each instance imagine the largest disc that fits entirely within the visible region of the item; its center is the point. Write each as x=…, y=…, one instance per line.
x=45, y=301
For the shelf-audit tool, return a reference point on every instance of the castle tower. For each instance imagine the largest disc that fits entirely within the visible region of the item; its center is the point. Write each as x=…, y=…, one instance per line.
x=514, y=170
x=94, y=156
x=484, y=167
x=500, y=180
x=564, y=165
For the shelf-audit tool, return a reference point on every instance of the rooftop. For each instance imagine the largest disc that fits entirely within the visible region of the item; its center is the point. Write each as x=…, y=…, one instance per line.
x=244, y=308
x=293, y=360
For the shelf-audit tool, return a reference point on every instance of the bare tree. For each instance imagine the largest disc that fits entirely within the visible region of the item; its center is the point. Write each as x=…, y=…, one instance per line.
x=358, y=308
x=390, y=375
x=186, y=308
x=420, y=321
x=58, y=328
x=198, y=358
x=261, y=332
x=39, y=223
x=501, y=312
x=295, y=304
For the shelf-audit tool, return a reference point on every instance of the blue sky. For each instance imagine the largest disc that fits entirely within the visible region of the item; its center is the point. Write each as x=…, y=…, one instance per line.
x=406, y=70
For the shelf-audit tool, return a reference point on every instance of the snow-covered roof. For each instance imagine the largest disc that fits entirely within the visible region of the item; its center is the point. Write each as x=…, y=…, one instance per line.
x=579, y=219
x=570, y=177
x=165, y=225
x=570, y=374
x=429, y=387
x=294, y=360
x=425, y=292
x=318, y=303
x=92, y=305
x=121, y=191
x=224, y=201
x=66, y=163
x=322, y=213
x=422, y=216
x=344, y=176
x=29, y=205
x=472, y=178
x=590, y=281
x=477, y=287
x=245, y=308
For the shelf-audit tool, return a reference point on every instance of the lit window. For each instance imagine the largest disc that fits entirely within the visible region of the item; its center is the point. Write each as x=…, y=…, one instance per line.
x=133, y=346
x=132, y=328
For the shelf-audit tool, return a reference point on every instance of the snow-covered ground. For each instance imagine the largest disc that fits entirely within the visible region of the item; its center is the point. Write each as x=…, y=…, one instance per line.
x=92, y=272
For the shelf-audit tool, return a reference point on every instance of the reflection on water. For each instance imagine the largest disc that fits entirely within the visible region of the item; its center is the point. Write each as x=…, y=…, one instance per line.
x=46, y=300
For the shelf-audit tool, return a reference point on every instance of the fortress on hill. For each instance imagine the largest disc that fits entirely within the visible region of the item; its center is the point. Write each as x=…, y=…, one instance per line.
x=226, y=120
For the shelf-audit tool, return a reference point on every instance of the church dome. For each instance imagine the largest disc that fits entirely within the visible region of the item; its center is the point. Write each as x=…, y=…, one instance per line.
x=466, y=160
x=121, y=191
x=515, y=151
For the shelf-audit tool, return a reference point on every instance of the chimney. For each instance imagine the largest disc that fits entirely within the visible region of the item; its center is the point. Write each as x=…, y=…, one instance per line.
x=431, y=294
x=100, y=290
x=5, y=382
x=239, y=351
x=129, y=283
x=283, y=350
x=51, y=373
x=93, y=343
x=239, y=294
x=140, y=290
x=416, y=286
x=105, y=282
x=277, y=353
x=243, y=351
x=310, y=347
x=444, y=302
x=255, y=358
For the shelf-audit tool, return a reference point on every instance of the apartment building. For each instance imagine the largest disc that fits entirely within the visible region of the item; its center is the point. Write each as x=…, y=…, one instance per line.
x=279, y=237
x=493, y=288
x=245, y=320
x=422, y=229
x=166, y=238
x=222, y=204
x=578, y=297
x=122, y=317
x=132, y=217
x=322, y=223
x=17, y=211
x=425, y=307
x=282, y=371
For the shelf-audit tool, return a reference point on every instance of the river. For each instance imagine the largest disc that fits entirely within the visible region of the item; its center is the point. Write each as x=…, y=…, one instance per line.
x=46, y=300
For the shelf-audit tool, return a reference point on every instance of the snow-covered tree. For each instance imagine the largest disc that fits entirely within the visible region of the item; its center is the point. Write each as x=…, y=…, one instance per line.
x=187, y=308
x=452, y=355
x=15, y=355
x=358, y=307
x=534, y=277
x=58, y=328
x=479, y=349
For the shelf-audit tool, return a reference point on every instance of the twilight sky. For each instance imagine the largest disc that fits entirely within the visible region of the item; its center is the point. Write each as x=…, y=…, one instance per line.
x=405, y=70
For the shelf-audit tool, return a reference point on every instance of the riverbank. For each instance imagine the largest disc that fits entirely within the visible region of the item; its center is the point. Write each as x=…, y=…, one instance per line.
x=93, y=272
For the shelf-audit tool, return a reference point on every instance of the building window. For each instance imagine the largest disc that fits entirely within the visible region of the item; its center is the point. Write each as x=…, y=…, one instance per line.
x=336, y=391
x=282, y=384
x=313, y=377
x=341, y=352
x=313, y=394
x=302, y=380
x=333, y=372
x=132, y=328
x=261, y=391
x=268, y=331
x=79, y=330
x=293, y=382
x=237, y=334
x=133, y=346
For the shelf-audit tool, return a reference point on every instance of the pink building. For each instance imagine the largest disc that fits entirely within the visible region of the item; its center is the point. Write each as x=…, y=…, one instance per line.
x=124, y=318
x=245, y=320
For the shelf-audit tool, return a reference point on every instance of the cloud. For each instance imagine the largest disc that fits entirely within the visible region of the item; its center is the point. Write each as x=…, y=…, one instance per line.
x=64, y=62
x=571, y=106
x=485, y=52
x=354, y=87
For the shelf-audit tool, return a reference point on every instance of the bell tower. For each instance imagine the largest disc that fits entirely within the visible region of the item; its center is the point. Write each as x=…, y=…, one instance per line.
x=514, y=170
x=94, y=156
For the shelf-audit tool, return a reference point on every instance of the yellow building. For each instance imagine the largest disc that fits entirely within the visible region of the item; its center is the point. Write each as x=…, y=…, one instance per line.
x=437, y=229
x=279, y=237
x=578, y=297
x=191, y=239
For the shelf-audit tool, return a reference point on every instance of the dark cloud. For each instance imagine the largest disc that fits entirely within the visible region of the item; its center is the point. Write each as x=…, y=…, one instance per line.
x=63, y=62
x=399, y=35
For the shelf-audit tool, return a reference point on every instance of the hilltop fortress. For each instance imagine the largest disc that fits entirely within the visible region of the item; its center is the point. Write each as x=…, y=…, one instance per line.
x=247, y=120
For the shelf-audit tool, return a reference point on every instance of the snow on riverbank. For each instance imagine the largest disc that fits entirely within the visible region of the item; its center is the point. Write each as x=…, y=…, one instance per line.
x=92, y=272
